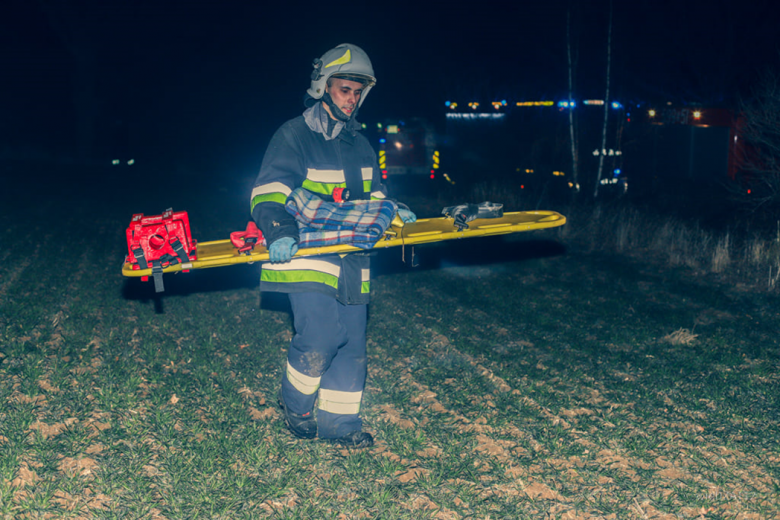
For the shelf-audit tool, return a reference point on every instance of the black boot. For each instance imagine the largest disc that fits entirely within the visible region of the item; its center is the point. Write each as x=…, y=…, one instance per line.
x=302, y=426
x=356, y=439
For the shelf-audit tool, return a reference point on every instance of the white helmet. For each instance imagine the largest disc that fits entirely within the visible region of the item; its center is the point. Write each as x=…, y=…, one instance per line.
x=343, y=61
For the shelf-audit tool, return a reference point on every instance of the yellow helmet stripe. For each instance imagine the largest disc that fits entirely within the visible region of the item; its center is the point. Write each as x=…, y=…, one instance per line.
x=340, y=61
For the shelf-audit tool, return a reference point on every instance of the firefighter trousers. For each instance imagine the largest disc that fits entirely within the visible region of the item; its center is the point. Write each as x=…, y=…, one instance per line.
x=326, y=362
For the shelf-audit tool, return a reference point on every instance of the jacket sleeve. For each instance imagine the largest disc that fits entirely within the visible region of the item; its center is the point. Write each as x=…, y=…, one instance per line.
x=282, y=171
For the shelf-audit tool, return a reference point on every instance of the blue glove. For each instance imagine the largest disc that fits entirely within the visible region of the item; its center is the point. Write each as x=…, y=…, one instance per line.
x=407, y=216
x=282, y=250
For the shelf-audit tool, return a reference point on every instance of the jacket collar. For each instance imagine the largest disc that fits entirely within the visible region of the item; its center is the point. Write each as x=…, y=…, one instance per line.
x=317, y=120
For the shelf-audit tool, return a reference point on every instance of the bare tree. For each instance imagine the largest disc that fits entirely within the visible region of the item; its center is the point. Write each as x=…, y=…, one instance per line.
x=575, y=160
x=606, y=104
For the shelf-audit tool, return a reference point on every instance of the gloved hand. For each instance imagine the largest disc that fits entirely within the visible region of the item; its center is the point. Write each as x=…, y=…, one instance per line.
x=407, y=216
x=282, y=250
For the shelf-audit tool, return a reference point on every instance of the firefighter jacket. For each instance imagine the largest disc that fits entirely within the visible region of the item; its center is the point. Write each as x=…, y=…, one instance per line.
x=302, y=155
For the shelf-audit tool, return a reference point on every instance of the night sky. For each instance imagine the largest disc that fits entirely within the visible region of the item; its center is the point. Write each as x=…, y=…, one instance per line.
x=205, y=84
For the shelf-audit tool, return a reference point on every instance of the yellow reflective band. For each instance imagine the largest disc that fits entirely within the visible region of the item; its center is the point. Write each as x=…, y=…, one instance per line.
x=306, y=385
x=273, y=192
x=296, y=276
x=368, y=173
x=341, y=61
x=365, y=287
x=329, y=176
x=281, y=198
x=366, y=186
x=343, y=403
x=322, y=187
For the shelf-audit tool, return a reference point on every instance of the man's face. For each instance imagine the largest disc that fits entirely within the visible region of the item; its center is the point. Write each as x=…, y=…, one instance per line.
x=345, y=94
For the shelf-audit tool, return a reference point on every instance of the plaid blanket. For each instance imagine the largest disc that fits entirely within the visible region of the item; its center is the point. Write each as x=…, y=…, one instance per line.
x=360, y=223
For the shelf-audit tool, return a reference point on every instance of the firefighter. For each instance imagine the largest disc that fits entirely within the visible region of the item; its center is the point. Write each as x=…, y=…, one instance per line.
x=322, y=151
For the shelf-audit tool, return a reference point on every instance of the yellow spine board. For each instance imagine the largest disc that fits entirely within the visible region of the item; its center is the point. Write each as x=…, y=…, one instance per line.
x=221, y=253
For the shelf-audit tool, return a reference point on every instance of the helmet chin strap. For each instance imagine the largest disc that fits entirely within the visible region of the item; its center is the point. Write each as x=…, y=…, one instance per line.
x=335, y=110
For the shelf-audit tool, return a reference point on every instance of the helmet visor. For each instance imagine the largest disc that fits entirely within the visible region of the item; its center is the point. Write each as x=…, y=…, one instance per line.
x=367, y=81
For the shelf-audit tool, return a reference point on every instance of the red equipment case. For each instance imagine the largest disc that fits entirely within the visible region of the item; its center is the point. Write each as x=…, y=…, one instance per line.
x=159, y=241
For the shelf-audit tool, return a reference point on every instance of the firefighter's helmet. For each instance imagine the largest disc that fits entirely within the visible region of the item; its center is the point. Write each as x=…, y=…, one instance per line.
x=345, y=61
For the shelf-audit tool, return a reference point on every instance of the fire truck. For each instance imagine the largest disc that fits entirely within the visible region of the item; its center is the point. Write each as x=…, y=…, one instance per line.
x=407, y=150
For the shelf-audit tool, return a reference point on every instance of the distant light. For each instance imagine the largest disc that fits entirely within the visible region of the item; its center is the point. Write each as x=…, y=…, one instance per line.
x=528, y=170
x=558, y=174
x=398, y=145
x=131, y=162
x=592, y=101
x=447, y=103
x=453, y=106
x=384, y=172
x=535, y=103
x=432, y=176
x=503, y=102
x=383, y=140
x=461, y=115
x=379, y=125
x=651, y=113
x=115, y=162
x=432, y=172
x=363, y=125
x=567, y=104
x=616, y=172
x=616, y=105
x=392, y=129
x=697, y=114
x=748, y=191
x=522, y=186
x=384, y=175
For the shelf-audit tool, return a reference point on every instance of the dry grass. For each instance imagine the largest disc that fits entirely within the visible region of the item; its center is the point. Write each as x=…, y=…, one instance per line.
x=752, y=261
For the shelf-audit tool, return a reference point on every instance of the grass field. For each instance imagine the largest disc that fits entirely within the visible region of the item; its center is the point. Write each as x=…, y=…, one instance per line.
x=515, y=377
